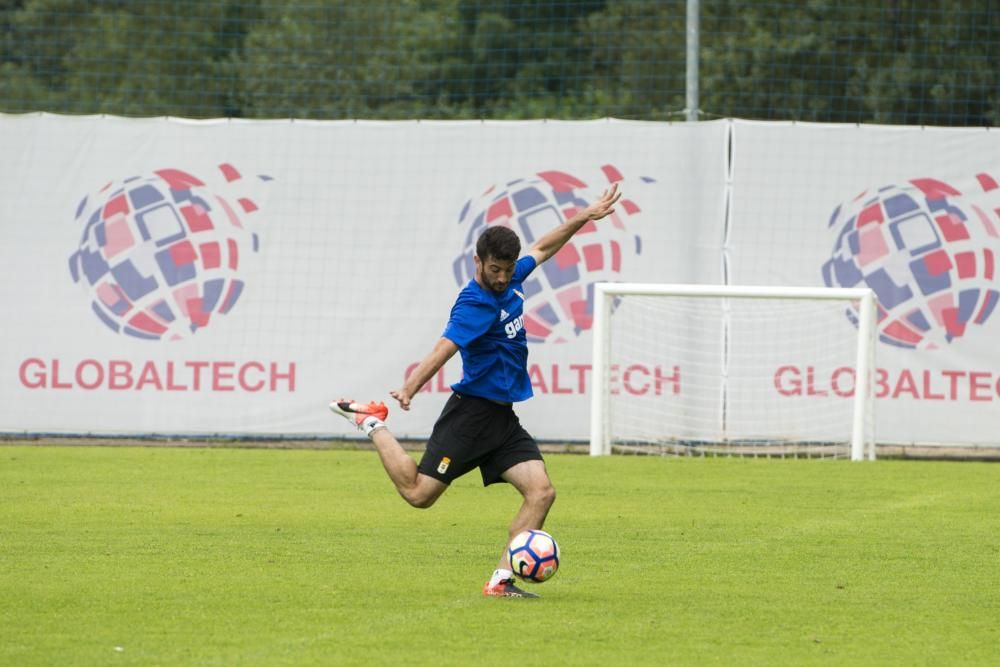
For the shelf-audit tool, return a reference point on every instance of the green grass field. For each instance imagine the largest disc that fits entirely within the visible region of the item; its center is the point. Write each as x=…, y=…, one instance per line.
x=169, y=556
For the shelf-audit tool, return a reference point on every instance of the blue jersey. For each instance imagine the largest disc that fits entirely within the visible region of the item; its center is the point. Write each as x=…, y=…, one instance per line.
x=488, y=329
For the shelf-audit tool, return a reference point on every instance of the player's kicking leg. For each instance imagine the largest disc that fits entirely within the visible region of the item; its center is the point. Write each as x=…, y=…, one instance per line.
x=532, y=481
x=417, y=489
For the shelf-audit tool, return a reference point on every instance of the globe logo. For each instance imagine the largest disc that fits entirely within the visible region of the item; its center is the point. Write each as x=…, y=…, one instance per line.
x=559, y=295
x=161, y=253
x=928, y=250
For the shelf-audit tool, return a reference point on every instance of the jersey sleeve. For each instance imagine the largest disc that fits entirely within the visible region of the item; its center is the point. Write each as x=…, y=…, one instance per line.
x=523, y=268
x=470, y=318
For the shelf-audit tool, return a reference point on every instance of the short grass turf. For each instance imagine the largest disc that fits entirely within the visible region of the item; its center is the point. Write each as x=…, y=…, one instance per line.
x=164, y=556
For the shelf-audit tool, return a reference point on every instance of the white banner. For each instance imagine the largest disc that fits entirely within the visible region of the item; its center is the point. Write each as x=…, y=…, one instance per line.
x=225, y=277
x=912, y=213
x=232, y=277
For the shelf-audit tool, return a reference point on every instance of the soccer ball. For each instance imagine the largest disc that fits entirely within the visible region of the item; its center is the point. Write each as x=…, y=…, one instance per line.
x=534, y=556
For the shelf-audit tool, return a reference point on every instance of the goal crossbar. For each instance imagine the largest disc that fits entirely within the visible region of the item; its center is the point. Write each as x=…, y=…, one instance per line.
x=604, y=293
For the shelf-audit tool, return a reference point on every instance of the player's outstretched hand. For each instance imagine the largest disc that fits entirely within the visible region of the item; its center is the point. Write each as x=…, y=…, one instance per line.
x=403, y=398
x=605, y=204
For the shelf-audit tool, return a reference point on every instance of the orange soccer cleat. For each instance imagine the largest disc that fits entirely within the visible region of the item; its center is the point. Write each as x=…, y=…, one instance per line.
x=506, y=589
x=366, y=416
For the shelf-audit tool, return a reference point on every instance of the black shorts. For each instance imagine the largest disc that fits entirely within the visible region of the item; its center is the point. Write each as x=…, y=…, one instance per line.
x=472, y=433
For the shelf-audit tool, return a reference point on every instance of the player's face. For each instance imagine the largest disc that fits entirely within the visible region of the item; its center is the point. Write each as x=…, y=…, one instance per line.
x=494, y=274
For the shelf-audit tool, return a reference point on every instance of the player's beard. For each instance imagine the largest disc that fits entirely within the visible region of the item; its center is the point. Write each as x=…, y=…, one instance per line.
x=484, y=280
x=483, y=277
x=493, y=286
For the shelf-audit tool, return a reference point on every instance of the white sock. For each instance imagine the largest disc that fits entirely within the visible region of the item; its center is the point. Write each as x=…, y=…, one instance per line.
x=370, y=424
x=500, y=575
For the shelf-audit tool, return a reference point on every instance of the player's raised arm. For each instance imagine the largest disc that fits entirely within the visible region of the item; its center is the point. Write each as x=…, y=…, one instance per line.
x=550, y=243
x=443, y=350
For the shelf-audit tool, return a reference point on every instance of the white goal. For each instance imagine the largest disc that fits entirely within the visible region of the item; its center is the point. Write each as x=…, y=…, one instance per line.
x=733, y=370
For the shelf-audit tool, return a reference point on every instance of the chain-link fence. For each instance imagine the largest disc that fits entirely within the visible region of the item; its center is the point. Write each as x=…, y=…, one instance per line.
x=889, y=61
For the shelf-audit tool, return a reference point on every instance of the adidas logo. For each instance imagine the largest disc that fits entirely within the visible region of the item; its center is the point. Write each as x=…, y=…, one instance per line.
x=503, y=314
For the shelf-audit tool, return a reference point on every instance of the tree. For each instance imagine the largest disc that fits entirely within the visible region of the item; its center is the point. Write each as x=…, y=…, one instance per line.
x=889, y=62
x=344, y=60
x=118, y=57
x=893, y=61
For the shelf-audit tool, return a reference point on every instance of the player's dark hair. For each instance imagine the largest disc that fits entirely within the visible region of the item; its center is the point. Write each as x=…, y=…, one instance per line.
x=499, y=243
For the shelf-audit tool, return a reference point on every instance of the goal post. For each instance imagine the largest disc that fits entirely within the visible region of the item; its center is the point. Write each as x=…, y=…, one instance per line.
x=738, y=370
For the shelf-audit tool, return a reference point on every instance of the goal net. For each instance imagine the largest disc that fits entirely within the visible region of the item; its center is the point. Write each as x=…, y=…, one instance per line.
x=727, y=370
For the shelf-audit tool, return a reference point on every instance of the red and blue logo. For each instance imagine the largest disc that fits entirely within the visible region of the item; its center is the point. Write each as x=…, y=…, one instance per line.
x=161, y=254
x=559, y=295
x=929, y=251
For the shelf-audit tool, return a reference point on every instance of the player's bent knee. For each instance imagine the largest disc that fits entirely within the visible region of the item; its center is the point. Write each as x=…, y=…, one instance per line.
x=549, y=495
x=543, y=496
x=424, y=493
x=421, y=502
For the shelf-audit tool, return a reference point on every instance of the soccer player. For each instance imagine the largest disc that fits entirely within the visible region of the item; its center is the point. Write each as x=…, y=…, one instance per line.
x=477, y=427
